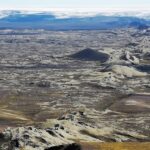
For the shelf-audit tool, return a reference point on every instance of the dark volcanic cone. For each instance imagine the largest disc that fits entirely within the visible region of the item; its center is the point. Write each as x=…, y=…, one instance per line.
x=90, y=55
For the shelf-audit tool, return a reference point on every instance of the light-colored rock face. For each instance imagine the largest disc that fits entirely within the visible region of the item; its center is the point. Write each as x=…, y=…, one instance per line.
x=32, y=138
x=131, y=58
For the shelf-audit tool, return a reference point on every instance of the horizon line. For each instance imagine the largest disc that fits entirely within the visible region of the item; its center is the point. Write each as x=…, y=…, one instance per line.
x=114, y=9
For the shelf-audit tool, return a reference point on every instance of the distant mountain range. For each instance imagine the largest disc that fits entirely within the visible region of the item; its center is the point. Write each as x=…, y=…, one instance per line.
x=72, y=20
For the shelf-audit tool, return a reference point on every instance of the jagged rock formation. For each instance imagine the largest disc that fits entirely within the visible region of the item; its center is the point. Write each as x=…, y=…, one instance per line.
x=31, y=138
x=56, y=137
x=130, y=58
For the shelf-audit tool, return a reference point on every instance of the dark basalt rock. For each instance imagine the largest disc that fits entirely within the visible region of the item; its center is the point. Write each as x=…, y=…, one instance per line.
x=44, y=84
x=143, y=68
x=90, y=55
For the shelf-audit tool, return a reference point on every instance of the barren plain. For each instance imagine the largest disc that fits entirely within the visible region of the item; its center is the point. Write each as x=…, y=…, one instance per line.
x=88, y=86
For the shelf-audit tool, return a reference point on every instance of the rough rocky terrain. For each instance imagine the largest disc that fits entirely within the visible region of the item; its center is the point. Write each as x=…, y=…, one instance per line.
x=80, y=86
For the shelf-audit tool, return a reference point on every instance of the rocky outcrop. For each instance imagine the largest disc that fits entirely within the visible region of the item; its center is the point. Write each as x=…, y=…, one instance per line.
x=127, y=56
x=56, y=135
x=31, y=138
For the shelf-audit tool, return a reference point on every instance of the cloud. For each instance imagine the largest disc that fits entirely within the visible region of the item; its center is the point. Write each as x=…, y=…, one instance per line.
x=67, y=13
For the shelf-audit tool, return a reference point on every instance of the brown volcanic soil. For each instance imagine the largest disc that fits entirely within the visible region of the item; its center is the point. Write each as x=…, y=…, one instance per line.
x=115, y=146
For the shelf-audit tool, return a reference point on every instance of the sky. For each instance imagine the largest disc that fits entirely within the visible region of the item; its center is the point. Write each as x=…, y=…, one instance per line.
x=73, y=4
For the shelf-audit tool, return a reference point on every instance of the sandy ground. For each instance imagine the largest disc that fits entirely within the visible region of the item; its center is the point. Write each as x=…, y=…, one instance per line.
x=116, y=146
